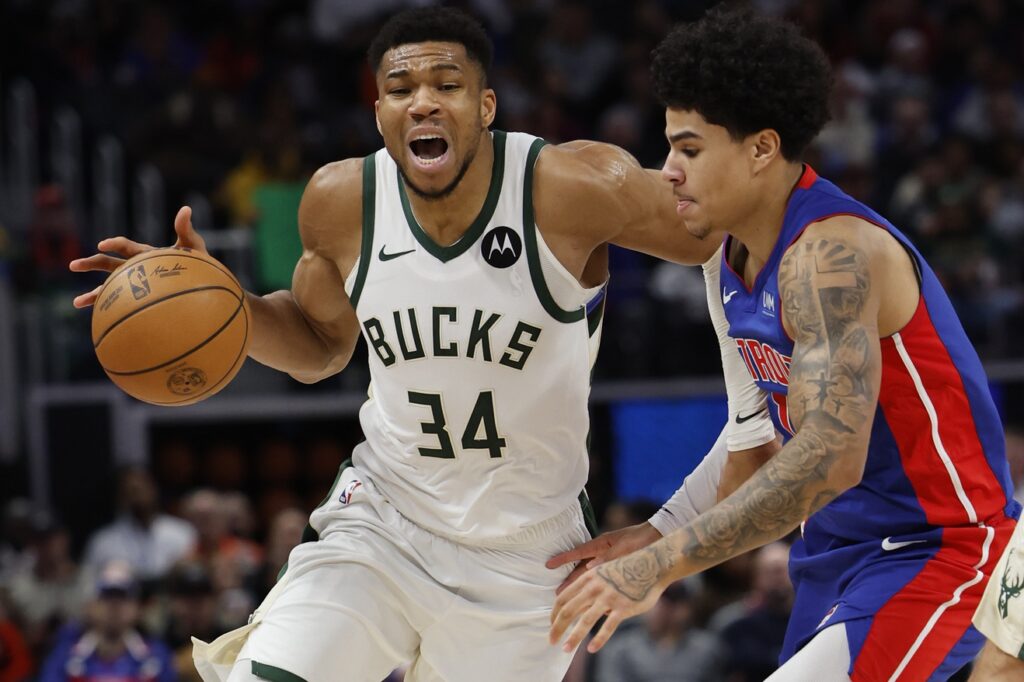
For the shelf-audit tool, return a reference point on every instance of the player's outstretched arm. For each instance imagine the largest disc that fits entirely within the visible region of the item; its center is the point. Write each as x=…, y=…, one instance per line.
x=311, y=330
x=830, y=307
x=614, y=199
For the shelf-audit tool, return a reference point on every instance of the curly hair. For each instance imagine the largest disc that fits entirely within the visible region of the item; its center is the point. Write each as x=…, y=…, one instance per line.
x=441, y=24
x=746, y=73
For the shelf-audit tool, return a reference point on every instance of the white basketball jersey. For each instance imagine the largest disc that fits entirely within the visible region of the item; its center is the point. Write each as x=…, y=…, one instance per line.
x=480, y=356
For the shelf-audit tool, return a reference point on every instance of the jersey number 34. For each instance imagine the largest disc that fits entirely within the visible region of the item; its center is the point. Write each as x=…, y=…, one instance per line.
x=481, y=419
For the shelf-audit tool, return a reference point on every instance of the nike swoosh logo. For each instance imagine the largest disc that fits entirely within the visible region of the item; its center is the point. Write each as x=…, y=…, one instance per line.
x=388, y=256
x=888, y=545
x=740, y=420
x=726, y=297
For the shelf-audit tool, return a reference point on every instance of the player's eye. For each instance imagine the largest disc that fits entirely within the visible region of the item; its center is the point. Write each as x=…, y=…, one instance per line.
x=449, y=87
x=398, y=92
x=690, y=152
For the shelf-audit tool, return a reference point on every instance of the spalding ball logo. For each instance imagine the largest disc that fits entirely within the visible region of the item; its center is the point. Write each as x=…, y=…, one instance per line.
x=186, y=380
x=501, y=247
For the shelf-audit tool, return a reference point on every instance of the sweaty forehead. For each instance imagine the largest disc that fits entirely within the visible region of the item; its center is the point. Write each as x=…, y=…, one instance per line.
x=420, y=56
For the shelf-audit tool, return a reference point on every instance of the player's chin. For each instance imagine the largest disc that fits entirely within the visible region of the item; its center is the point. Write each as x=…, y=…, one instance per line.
x=697, y=228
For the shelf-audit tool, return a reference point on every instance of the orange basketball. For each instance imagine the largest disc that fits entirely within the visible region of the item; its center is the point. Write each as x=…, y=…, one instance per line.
x=171, y=326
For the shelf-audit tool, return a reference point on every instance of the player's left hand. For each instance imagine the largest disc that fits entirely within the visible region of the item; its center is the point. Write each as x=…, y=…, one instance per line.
x=618, y=589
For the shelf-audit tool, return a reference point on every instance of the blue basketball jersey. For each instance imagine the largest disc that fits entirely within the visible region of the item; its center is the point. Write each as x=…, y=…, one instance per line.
x=935, y=503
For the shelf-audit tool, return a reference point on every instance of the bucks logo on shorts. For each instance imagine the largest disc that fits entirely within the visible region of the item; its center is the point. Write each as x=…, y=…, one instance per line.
x=1012, y=582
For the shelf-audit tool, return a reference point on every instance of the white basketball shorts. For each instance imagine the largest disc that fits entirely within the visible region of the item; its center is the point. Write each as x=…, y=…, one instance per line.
x=1000, y=615
x=377, y=591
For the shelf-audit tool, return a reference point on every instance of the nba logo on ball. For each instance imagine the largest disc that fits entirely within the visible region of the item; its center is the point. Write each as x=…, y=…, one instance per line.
x=501, y=247
x=138, y=282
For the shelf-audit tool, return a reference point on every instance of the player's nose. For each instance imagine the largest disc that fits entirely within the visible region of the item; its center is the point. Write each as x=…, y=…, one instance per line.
x=424, y=104
x=672, y=173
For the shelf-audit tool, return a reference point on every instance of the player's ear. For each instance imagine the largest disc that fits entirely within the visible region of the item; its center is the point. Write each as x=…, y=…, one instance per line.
x=765, y=145
x=376, y=116
x=488, y=106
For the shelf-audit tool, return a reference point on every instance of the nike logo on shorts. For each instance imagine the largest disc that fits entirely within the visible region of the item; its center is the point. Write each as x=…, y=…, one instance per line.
x=389, y=256
x=888, y=545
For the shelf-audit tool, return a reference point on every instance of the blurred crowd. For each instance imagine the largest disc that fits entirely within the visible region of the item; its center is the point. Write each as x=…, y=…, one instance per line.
x=149, y=580
x=124, y=599
x=240, y=100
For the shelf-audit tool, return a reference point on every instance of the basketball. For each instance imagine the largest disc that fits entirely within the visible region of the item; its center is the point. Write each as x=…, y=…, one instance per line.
x=171, y=326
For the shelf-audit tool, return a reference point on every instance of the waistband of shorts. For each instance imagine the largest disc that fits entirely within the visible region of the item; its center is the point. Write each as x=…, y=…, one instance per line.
x=528, y=535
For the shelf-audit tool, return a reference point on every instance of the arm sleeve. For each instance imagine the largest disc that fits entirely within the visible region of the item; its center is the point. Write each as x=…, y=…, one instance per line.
x=699, y=491
x=745, y=398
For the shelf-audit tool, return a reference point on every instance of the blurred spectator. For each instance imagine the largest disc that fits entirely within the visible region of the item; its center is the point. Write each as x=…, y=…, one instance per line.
x=229, y=558
x=15, y=537
x=192, y=612
x=15, y=658
x=578, y=58
x=49, y=589
x=755, y=634
x=150, y=541
x=108, y=644
x=285, y=533
x=667, y=646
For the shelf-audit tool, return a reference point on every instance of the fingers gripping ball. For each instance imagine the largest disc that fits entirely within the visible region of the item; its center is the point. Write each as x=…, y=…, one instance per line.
x=171, y=326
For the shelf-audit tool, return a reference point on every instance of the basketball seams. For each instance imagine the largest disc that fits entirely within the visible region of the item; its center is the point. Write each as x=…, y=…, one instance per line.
x=169, y=251
x=150, y=304
x=207, y=340
x=242, y=353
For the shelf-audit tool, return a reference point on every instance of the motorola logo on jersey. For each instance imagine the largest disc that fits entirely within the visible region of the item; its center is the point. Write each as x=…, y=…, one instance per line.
x=501, y=247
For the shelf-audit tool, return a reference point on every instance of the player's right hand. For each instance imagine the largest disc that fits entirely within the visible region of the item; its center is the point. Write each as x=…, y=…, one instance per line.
x=604, y=547
x=126, y=248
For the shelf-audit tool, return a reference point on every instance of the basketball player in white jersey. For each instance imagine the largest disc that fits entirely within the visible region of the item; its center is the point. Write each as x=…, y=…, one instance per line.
x=473, y=263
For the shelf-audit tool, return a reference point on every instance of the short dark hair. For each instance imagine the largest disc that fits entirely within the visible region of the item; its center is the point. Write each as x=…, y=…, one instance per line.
x=441, y=24
x=746, y=73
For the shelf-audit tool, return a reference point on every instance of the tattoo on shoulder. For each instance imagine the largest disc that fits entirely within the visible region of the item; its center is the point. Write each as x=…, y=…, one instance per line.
x=824, y=285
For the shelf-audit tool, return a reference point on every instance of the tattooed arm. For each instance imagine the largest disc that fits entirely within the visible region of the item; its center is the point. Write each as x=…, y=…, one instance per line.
x=830, y=306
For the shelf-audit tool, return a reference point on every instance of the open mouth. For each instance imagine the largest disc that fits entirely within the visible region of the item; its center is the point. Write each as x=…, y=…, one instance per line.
x=429, y=149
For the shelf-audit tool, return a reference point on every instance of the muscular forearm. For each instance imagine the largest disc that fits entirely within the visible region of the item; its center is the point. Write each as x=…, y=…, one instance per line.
x=283, y=339
x=799, y=480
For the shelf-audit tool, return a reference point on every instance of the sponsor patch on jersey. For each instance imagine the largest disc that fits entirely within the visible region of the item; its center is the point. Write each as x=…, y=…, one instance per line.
x=501, y=247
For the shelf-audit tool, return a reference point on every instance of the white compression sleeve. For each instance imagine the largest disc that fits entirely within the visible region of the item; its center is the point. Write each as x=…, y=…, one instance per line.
x=745, y=398
x=699, y=491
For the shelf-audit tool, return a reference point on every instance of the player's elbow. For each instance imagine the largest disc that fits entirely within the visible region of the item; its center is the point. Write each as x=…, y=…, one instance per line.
x=334, y=364
x=849, y=468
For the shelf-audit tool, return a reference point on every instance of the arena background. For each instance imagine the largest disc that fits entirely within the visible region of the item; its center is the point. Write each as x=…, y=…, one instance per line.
x=113, y=113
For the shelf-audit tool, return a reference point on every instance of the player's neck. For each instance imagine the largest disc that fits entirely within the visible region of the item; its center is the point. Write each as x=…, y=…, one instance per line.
x=760, y=230
x=448, y=218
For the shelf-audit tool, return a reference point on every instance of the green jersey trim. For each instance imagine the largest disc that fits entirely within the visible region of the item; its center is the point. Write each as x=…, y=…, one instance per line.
x=369, y=211
x=273, y=674
x=447, y=253
x=530, y=240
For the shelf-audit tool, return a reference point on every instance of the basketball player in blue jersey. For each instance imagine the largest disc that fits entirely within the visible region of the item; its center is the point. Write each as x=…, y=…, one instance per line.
x=893, y=468
x=473, y=262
